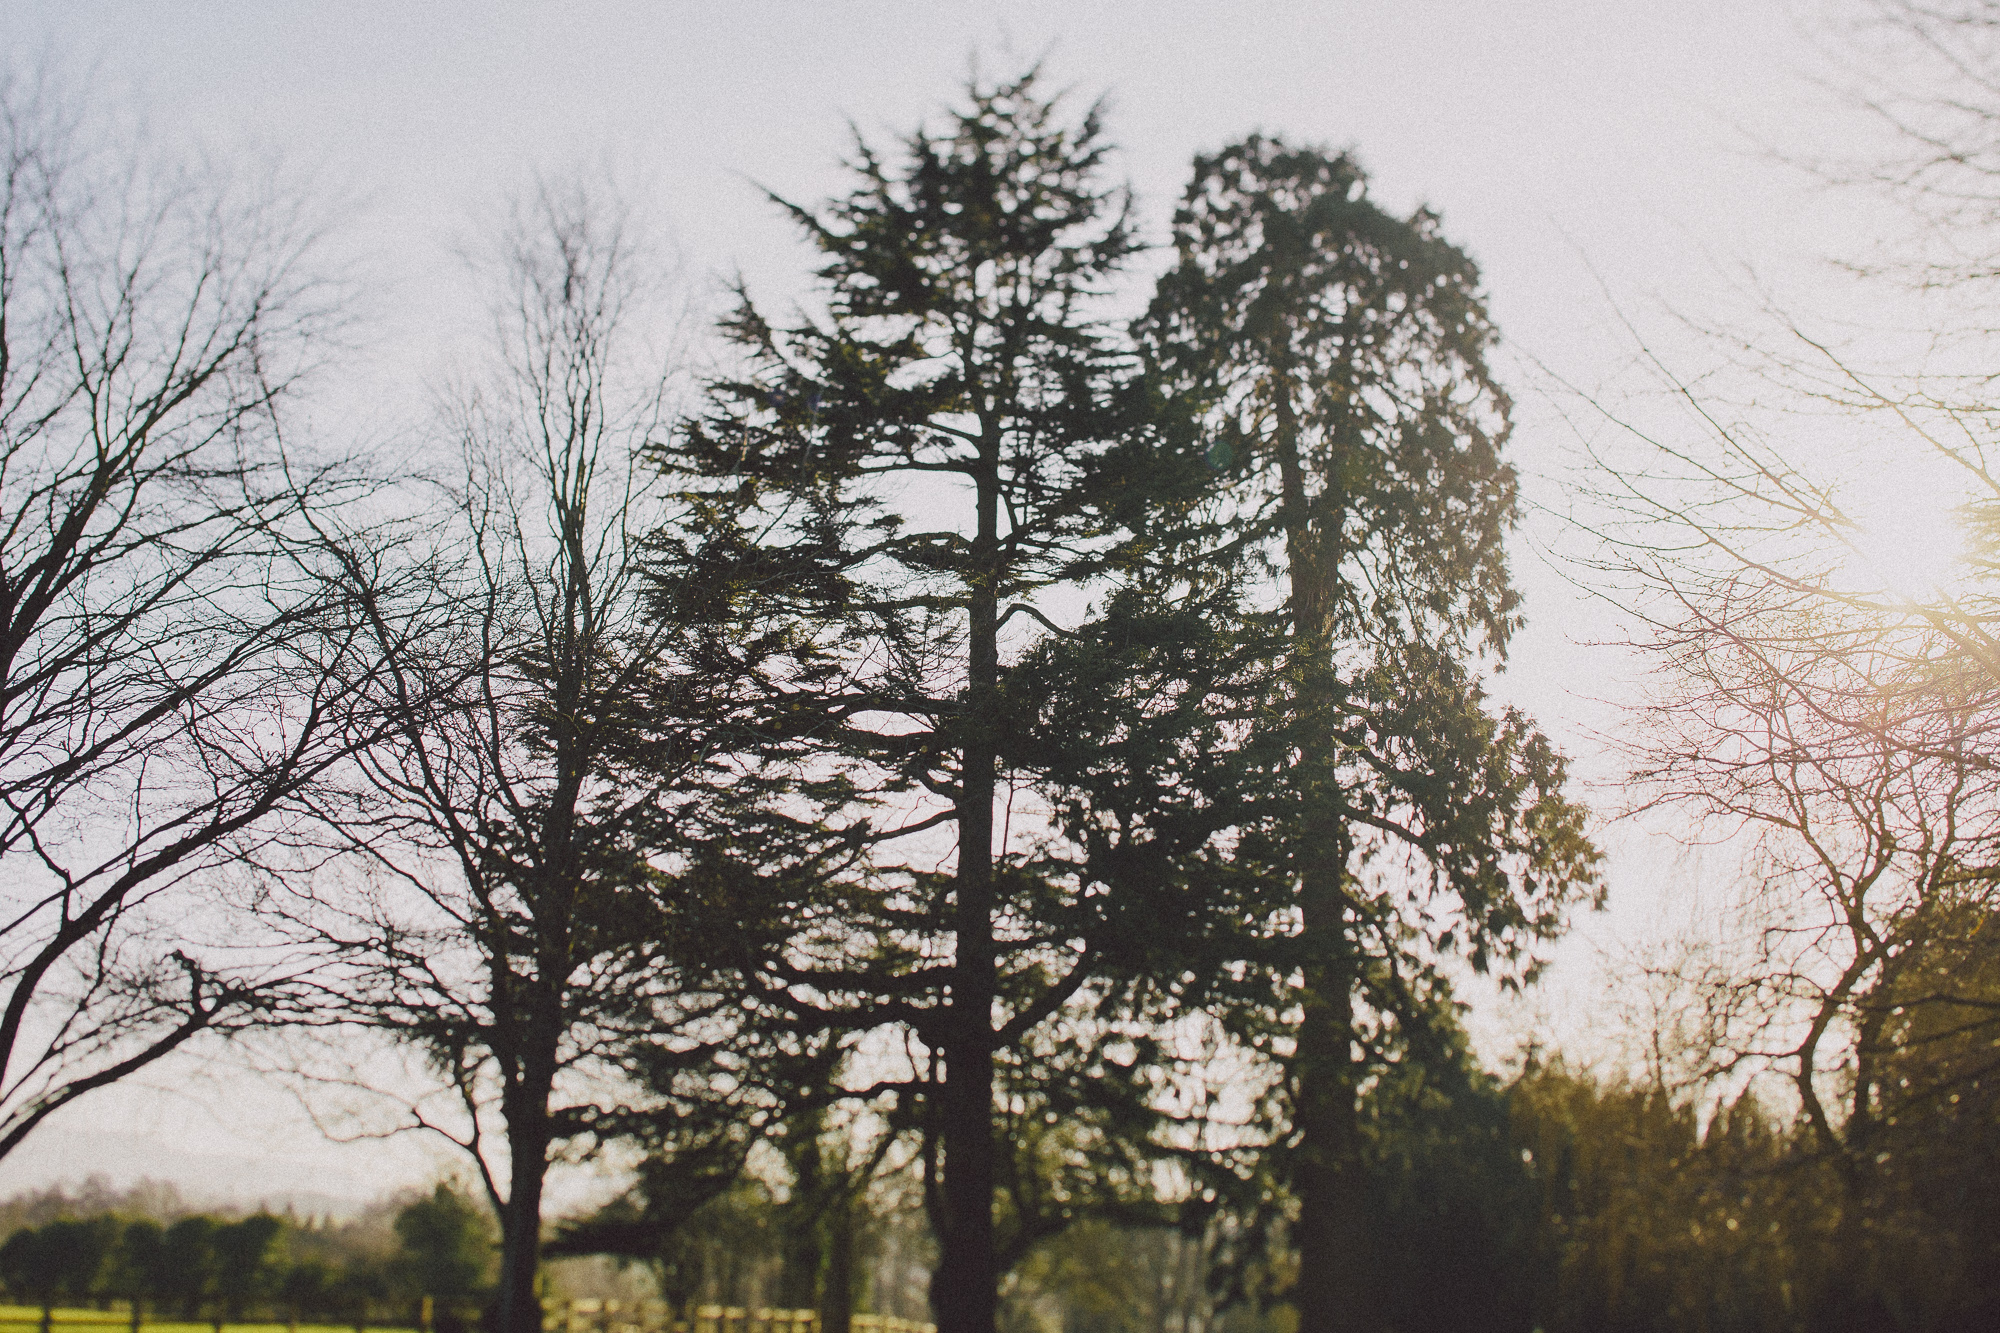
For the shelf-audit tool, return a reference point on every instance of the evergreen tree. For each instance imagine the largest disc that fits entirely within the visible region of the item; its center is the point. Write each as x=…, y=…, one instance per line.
x=938, y=442
x=1452, y=1201
x=189, y=1264
x=60, y=1260
x=139, y=1267
x=1332, y=358
x=824, y=1219
x=446, y=1247
x=245, y=1269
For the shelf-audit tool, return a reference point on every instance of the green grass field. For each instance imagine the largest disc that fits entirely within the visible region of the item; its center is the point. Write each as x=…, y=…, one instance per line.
x=13, y=1317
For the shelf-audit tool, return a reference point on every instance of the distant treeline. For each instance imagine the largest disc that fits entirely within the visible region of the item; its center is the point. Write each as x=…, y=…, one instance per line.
x=1552, y=1198
x=1646, y=1214
x=204, y=1267
x=1570, y=1203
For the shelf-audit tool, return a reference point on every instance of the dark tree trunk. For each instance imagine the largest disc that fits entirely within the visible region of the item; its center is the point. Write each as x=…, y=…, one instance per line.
x=836, y=1287
x=1332, y=1294
x=802, y=1238
x=1334, y=1285
x=965, y=1288
x=518, y=1307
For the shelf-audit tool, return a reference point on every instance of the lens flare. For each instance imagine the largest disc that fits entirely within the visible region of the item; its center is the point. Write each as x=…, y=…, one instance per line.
x=1906, y=541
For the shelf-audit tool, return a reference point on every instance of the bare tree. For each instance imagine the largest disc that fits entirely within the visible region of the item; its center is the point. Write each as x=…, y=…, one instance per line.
x=570, y=836
x=176, y=653
x=1822, y=700
x=1926, y=73
x=1871, y=809
x=1826, y=676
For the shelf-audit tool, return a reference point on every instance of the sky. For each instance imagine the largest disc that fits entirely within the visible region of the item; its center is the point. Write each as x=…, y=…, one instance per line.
x=1607, y=162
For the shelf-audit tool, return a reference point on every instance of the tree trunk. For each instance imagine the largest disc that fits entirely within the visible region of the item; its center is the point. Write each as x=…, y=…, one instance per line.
x=965, y=1288
x=799, y=1261
x=518, y=1308
x=836, y=1287
x=1333, y=1292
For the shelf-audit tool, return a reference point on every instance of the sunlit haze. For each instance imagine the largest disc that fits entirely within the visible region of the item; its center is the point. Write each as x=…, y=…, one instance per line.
x=1905, y=539
x=1610, y=167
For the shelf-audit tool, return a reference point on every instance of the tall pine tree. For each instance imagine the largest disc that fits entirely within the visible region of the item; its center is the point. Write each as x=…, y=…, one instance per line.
x=940, y=437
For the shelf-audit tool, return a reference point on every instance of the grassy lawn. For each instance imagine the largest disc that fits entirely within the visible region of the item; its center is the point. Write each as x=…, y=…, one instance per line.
x=13, y=1316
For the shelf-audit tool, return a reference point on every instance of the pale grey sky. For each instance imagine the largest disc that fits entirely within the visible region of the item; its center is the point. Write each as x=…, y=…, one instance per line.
x=1570, y=145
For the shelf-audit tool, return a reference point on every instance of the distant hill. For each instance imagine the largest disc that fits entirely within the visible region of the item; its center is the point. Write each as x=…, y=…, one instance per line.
x=148, y=1176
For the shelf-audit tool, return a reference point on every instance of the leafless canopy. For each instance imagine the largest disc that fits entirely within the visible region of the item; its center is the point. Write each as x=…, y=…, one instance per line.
x=522, y=896
x=176, y=655
x=1833, y=715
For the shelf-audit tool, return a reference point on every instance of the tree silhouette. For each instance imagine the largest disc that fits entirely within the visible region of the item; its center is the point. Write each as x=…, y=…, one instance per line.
x=176, y=654
x=1334, y=359
x=934, y=444
x=572, y=805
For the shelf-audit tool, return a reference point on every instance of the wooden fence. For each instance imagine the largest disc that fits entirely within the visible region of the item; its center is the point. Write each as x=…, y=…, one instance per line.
x=131, y=1319
x=659, y=1317
x=558, y=1317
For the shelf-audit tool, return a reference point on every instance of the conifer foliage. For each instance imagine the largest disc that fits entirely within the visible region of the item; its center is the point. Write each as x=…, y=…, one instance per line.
x=977, y=694
x=935, y=436
x=1165, y=654
x=1332, y=361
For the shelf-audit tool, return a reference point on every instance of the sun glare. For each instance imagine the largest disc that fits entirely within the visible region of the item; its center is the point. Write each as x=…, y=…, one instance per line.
x=1906, y=542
